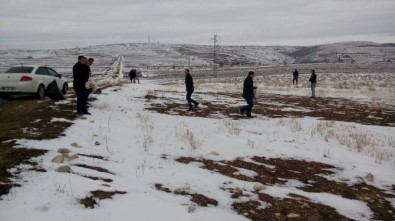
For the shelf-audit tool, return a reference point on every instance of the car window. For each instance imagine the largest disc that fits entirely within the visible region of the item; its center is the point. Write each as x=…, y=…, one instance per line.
x=42, y=71
x=20, y=70
x=52, y=72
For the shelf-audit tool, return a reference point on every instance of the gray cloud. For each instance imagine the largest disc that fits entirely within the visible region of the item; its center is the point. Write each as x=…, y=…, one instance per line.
x=57, y=23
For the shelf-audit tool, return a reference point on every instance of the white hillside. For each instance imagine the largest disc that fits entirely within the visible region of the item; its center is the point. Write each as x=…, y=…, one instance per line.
x=158, y=58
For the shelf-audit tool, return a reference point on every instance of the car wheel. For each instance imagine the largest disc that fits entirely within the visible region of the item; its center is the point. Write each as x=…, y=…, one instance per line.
x=65, y=89
x=40, y=92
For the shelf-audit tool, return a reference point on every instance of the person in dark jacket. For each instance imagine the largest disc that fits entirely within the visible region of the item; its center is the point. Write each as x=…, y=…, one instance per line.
x=190, y=89
x=81, y=75
x=295, y=77
x=133, y=76
x=313, y=81
x=248, y=94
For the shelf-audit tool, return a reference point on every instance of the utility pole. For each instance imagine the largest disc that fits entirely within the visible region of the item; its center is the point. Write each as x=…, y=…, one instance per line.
x=215, y=39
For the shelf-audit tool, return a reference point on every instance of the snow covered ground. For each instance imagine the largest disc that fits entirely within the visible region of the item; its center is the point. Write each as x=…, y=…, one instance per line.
x=129, y=149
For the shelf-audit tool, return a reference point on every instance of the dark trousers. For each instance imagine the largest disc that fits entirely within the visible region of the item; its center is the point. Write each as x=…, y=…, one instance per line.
x=133, y=80
x=82, y=99
x=88, y=92
x=295, y=79
x=248, y=108
x=190, y=100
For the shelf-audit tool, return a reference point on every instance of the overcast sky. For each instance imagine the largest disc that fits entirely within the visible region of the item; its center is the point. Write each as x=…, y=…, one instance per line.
x=41, y=24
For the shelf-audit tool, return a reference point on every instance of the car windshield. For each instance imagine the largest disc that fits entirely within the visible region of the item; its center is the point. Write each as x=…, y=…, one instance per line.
x=19, y=70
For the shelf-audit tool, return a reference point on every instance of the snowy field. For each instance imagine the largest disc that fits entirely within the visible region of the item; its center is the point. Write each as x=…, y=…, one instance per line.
x=141, y=156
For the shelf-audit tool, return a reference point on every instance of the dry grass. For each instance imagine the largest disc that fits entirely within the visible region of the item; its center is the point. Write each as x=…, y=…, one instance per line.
x=146, y=127
x=232, y=126
x=378, y=87
x=190, y=138
x=251, y=143
x=355, y=139
x=182, y=132
x=293, y=123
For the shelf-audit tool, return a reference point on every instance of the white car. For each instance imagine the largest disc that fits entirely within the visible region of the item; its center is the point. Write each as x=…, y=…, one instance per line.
x=30, y=80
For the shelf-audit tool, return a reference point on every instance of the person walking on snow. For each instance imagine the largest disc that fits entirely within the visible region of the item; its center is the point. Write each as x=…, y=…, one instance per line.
x=248, y=94
x=313, y=81
x=190, y=89
x=295, y=77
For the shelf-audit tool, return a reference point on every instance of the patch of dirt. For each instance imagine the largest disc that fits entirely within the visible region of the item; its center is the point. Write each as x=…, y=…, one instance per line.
x=88, y=202
x=11, y=157
x=295, y=208
x=27, y=118
x=93, y=156
x=107, y=180
x=185, y=160
x=278, y=172
x=197, y=198
x=99, y=169
x=276, y=106
x=91, y=201
x=160, y=187
x=101, y=195
x=31, y=119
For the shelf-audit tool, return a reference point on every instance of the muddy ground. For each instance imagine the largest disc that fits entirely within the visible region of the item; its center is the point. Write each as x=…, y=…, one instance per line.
x=277, y=172
x=277, y=106
x=28, y=118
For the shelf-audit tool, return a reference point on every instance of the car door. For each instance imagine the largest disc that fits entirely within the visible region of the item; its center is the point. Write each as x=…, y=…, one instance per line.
x=56, y=77
x=42, y=76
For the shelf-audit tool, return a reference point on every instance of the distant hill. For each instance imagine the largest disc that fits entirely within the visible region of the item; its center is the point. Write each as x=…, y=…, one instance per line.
x=169, y=54
x=345, y=52
x=180, y=55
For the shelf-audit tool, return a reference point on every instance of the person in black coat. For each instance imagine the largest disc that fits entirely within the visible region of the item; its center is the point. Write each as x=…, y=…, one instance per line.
x=190, y=89
x=248, y=94
x=81, y=75
x=295, y=77
x=313, y=81
x=133, y=76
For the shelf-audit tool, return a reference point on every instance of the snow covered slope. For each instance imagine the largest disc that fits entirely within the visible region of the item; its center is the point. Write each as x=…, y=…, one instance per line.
x=153, y=55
